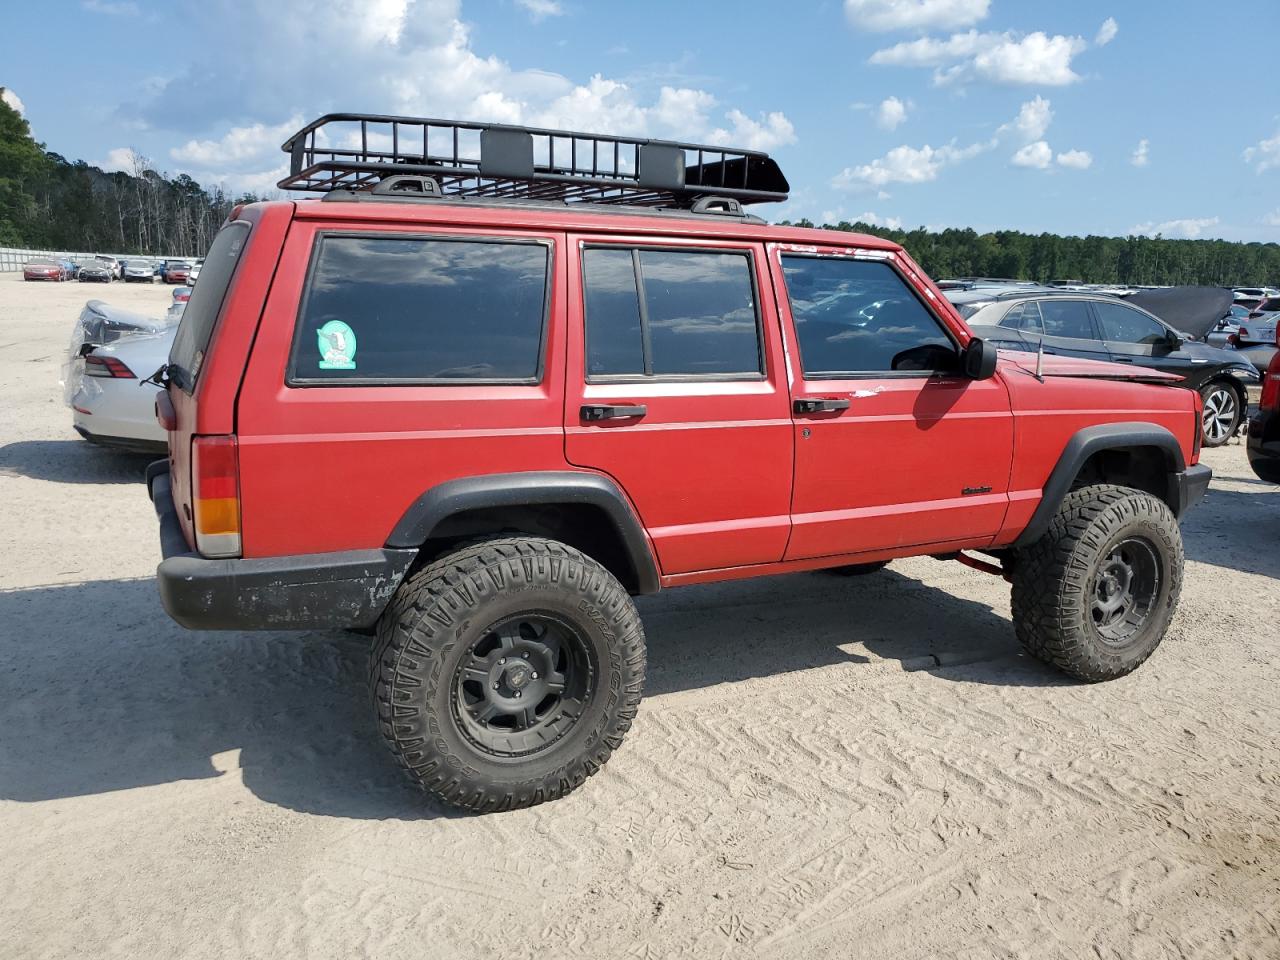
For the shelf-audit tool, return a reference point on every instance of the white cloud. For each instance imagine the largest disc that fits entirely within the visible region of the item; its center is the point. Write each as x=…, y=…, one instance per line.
x=115, y=8
x=1272, y=219
x=905, y=165
x=1139, y=157
x=1006, y=58
x=541, y=9
x=891, y=113
x=410, y=57
x=1188, y=228
x=1038, y=155
x=237, y=145
x=1107, y=32
x=774, y=131
x=1032, y=121
x=875, y=220
x=1076, y=159
x=1266, y=155
x=885, y=15
x=12, y=99
x=119, y=159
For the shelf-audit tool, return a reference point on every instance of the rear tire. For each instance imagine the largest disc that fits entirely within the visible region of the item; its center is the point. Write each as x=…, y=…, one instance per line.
x=1223, y=412
x=507, y=672
x=1095, y=594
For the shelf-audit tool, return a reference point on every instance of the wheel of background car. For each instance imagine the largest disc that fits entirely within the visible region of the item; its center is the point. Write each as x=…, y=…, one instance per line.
x=1222, y=413
x=507, y=672
x=1095, y=594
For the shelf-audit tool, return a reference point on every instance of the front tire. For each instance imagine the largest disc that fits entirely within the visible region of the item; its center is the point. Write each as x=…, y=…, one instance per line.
x=1222, y=413
x=506, y=673
x=1095, y=594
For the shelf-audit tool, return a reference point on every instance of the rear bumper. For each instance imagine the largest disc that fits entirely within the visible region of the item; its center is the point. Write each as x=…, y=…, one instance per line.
x=1264, y=445
x=1191, y=485
x=307, y=592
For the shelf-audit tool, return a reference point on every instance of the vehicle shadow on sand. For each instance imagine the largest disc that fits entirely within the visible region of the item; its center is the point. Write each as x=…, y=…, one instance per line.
x=1236, y=529
x=73, y=461
x=99, y=691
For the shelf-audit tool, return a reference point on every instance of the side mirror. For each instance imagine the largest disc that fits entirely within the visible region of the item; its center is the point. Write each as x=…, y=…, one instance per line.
x=979, y=359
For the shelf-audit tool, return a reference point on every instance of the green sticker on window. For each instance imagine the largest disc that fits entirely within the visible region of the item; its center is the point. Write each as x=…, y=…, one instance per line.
x=337, y=344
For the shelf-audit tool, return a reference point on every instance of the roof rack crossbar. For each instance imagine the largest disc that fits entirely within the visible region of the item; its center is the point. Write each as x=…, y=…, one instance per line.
x=353, y=151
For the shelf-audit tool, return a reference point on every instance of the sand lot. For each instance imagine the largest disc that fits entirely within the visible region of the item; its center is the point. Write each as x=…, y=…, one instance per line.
x=822, y=767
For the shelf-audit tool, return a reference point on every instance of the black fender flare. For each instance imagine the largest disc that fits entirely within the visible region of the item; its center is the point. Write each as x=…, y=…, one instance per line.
x=549, y=487
x=1092, y=440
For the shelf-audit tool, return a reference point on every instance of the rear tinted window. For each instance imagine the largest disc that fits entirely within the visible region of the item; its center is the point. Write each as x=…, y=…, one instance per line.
x=192, y=339
x=672, y=313
x=410, y=310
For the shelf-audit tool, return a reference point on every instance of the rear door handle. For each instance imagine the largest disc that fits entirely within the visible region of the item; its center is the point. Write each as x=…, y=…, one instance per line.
x=820, y=405
x=593, y=411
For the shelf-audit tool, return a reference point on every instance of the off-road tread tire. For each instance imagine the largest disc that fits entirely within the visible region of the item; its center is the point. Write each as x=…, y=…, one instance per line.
x=1051, y=601
x=426, y=619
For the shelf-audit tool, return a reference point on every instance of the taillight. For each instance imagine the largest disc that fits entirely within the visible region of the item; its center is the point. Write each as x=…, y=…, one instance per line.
x=96, y=366
x=1198, y=439
x=215, y=495
x=1242, y=333
x=1271, y=386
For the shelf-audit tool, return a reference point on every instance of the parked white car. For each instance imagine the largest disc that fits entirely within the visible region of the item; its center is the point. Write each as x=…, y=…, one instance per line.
x=111, y=354
x=139, y=271
x=111, y=402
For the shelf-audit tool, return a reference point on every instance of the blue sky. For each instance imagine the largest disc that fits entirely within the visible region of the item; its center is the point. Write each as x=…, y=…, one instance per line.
x=1097, y=116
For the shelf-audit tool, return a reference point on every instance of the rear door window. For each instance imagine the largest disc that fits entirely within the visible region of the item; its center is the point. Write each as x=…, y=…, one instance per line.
x=1067, y=318
x=417, y=310
x=678, y=314
x=186, y=356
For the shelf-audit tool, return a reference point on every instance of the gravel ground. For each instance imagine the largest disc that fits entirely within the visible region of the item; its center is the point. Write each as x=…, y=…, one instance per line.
x=822, y=767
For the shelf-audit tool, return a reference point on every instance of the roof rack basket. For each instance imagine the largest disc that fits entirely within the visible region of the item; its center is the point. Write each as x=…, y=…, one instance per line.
x=355, y=151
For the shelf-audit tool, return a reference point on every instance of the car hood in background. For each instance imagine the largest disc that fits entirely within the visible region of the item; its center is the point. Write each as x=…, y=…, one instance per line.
x=1052, y=365
x=1192, y=310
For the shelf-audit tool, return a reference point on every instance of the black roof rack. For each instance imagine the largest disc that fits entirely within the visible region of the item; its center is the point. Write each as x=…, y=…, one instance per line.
x=355, y=151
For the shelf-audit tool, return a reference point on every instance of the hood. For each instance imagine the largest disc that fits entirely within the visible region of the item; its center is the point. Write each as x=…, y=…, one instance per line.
x=1190, y=310
x=1204, y=353
x=1016, y=361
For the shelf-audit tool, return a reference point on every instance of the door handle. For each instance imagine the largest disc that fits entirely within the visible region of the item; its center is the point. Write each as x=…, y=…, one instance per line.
x=593, y=411
x=1121, y=358
x=820, y=405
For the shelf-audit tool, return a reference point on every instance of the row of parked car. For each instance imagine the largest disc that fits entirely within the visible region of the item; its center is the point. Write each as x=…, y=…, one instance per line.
x=1177, y=329
x=103, y=269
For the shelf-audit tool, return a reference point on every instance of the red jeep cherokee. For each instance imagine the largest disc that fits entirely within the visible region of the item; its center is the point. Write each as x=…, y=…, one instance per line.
x=500, y=380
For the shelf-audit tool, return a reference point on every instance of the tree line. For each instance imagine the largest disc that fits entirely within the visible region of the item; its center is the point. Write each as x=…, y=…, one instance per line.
x=1112, y=260
x=48, y=202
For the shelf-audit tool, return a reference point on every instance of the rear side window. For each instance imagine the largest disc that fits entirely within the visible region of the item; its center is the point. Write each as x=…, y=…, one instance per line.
x=186, y=356
x=670, y=313
x=1025, y=316
x=1067, y=318
x=421, y=310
